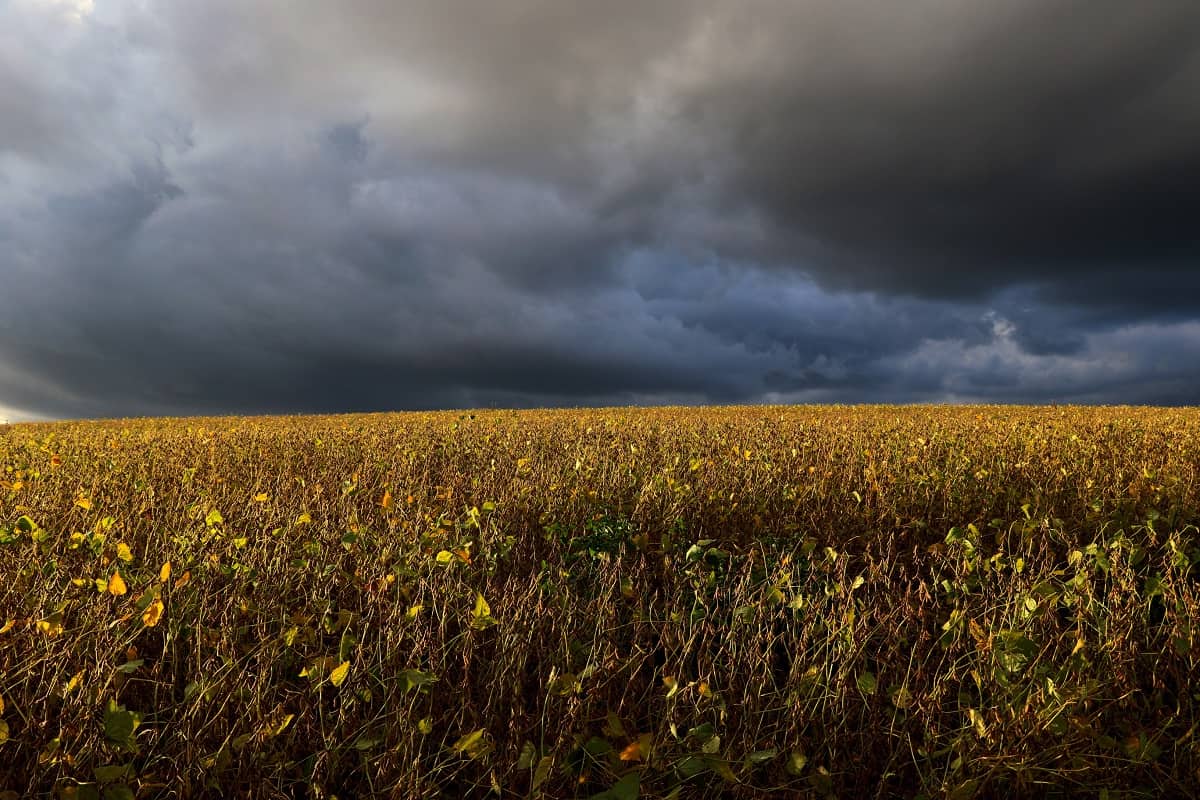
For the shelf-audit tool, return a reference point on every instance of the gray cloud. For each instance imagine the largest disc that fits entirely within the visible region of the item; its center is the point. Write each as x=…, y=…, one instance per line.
x=267, y=206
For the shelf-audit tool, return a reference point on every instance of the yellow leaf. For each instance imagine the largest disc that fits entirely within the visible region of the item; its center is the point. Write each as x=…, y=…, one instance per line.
x=116, y=585
x=303, y=519
x=3, y=731
x=153, y=613
x=124, y=553
x=72, y=684
x=51, y=625
x=1, y=704
x=481, y=615
x=261, y=497
x=164, y=574
x=277, y=724
x=632, y=752
x=338, y=676
x=318, y=668
x=8, y=626
x=84, y=503
x=184, y=579
x=473, y=744
x=387, y=501
x=976, y=719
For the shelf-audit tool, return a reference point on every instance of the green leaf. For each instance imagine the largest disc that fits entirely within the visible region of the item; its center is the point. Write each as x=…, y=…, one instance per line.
x=721, y=767
x=691, y=766
x=1015, y=650
x=597, y=747
x=543, y=771
x=214, y=518
x=111, y=773
x=627, y=788
x=346, y=645
x=866, y=682
x=129, y=667
x=796, y=763
x=120, y=724
x=118, y=792
x=528, y=754
x=415, y=679
x=761, y=756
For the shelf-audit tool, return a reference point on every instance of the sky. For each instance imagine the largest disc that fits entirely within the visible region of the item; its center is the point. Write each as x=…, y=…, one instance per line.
x=259, y=206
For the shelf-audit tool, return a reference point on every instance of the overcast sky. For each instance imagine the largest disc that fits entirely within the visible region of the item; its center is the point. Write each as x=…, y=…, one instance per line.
x=213, y=206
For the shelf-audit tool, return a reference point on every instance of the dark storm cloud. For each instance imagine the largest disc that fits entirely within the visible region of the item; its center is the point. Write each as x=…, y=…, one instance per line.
x=951, y=149
x=270, y=206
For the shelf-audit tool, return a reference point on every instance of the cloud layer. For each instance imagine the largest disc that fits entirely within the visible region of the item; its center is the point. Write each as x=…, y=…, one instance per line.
x=246, y=205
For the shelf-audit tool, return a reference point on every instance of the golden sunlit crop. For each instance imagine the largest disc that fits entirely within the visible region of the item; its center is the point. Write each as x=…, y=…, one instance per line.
x=723, y=602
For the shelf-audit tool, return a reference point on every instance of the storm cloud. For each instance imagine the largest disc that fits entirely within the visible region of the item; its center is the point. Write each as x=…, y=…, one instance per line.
x=249, y=205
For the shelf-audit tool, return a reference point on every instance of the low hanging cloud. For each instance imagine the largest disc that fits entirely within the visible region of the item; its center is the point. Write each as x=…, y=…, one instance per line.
x=268, y=206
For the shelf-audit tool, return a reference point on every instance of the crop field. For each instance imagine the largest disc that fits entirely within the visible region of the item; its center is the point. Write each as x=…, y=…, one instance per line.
x=949, y=602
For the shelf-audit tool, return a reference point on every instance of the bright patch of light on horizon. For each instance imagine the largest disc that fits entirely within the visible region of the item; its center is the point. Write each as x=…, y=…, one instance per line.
x=8, y=415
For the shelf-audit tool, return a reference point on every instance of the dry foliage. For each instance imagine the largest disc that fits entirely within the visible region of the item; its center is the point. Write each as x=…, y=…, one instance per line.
x=739, y=602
